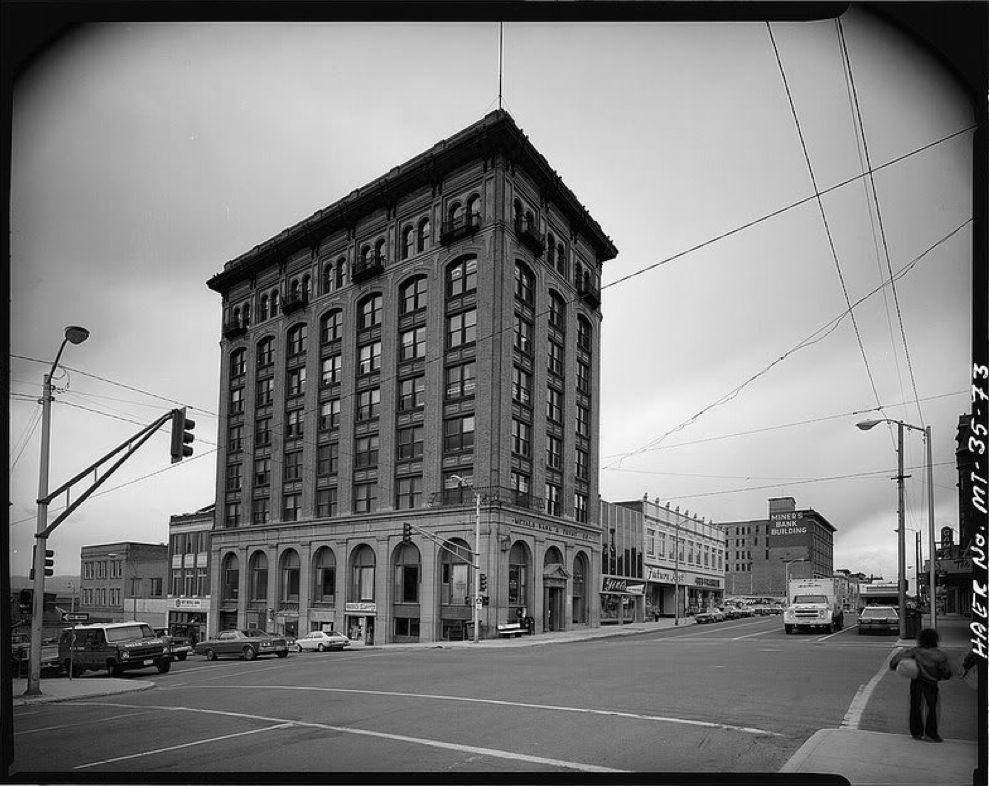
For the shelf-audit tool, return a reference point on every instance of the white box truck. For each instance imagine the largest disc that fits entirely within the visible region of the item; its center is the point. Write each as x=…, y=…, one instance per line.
x=813, y=603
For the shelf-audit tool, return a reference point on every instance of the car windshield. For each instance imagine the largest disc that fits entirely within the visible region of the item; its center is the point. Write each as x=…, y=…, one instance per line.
x=256, y=634
x=810, y=599
x=129, y=632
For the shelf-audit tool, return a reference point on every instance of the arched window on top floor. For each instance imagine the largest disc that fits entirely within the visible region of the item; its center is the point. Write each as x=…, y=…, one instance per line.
x=274, y=303
x=550, y=249
x=263, y=315
x=379, y=251
x=561, y=259
x=474, y=208
x=408, y=242
x=422, y=236
x=307, y=287
x=517, y=213
x=235, y=317
x=341, y=272
x=246, y=315
x=326, y=279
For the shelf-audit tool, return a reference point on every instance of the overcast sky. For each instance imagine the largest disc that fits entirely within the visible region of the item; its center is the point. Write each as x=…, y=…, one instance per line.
x=145, y=156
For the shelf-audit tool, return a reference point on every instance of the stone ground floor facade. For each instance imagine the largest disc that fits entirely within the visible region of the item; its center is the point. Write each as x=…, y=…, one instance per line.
x=358, y=575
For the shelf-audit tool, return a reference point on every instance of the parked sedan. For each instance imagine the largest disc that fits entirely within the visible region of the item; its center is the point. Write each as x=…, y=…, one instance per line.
x=247, y=644
x=712, y=614
x=884, y=619
x=321, y=641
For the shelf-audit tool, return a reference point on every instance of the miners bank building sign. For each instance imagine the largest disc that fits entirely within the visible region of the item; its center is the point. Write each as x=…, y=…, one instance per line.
x=787, y=528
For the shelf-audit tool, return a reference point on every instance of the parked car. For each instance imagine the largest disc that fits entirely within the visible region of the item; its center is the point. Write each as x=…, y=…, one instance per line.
x=178, y=645
x=884, y=619
x=114, y=646
x=247, y=644
x=321, y=641
x=710, y=614
x=743, y=611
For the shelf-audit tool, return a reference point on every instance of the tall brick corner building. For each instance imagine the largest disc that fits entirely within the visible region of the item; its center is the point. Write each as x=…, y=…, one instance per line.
x=433, y=334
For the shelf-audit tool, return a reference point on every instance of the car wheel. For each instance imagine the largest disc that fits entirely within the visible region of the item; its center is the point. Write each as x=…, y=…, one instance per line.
x=114, y=670
x=210, y=655
x=320, y=648
x=164, y=665
x=250, y=653
x=788, y=629
x=182, y=655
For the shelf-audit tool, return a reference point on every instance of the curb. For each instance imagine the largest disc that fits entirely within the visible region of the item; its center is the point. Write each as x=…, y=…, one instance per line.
x=132, y=687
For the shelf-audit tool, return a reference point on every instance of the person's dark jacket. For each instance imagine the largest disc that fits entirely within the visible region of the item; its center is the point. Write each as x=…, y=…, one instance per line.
x=932, y=663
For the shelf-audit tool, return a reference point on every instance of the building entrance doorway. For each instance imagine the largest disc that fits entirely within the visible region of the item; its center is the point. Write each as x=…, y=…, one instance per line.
x=361, y=629
x=553, y=608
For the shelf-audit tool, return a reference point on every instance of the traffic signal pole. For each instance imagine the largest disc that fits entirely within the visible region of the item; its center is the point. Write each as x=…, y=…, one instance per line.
x=38, y=602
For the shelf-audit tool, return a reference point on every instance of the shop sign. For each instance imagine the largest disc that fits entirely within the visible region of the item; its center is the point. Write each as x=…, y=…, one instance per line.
x=660, y=576
x=703, y=582
x=360, y=608
x=187, y=603
x=621, y=587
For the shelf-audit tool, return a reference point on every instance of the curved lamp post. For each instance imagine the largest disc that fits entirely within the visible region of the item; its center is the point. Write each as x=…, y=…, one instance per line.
x=786, y=577
x=73, y=335
x=865, y=425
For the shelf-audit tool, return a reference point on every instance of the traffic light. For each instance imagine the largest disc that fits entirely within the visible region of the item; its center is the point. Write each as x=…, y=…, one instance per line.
x=24, y=599
x=182, y=435
x=407, y=532
x=49, y=562
x=484, y=583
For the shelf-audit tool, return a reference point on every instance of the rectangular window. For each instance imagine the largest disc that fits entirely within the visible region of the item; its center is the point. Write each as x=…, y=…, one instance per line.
x=262, y=471
x=521, y=438
x=460, y=381
x=583, y=459
x=554, y=452
x=520, y=488
x=365, y=497
x=296, y=382
x=293, y=465
x=291, y=504
x=583, y=377
x=407, y=590
x=408, y=493
x=327, y=457
x=261, y=511
x=326, y=503
x=330, y=371
x=553, y=493
x=237, y=401
x=412, y=344
x=554, y=406
x=409, y=443
x=521, y=386
x=331, y=325
x=233, y=477
x=266, y=353
x=580, y=507
x=233, y=514
x=458, y=433
x=583, y=421
x=262, y=432
x=366, y=452
x=368, y=404
x=411, y=393
x=523, y=335
x=461, y=329
x=329, y=414
x=555, y=359
x=369, y=358
x=265, y=392
x=202, y=582
x=517, y=591
x=236, y=443
x=293, y=424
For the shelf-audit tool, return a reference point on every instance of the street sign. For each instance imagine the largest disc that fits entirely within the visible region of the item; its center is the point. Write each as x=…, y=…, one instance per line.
x=75, y=616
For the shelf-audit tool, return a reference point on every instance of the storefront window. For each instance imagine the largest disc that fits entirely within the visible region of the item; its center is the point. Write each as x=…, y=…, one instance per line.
x=362, y=579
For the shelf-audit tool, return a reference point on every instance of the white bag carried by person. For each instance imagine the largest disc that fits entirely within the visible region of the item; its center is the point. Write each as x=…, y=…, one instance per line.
x=908, y=668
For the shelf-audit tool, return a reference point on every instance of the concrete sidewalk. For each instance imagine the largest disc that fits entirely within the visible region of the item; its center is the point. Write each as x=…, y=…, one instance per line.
x=869, y=758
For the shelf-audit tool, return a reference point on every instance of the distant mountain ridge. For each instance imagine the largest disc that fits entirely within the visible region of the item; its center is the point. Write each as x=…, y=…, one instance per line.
x=57, y=584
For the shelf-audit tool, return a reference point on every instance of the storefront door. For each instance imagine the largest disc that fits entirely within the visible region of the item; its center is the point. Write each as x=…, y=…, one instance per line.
x=361, y=629
x=553, y=608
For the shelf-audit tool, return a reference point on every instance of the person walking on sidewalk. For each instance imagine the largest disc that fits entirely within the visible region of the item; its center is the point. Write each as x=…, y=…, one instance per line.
x=932, y=666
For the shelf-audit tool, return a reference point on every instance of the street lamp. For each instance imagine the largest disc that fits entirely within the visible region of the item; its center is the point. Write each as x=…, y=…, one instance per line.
x=786, y=577
x=74, y=335
x=676, y=572
x=477, y=553
x=865, y=425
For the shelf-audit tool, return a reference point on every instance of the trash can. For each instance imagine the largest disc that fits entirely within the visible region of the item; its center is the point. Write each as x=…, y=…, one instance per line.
x=913, y=623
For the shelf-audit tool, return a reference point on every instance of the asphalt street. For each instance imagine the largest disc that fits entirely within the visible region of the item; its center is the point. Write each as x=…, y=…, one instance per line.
x=736, y=696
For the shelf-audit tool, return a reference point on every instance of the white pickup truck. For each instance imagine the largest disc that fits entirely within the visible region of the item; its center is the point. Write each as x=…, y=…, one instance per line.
x=813, y=603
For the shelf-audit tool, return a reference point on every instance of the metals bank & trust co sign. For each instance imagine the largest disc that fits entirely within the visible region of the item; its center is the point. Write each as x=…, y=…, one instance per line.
x=787, y=528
